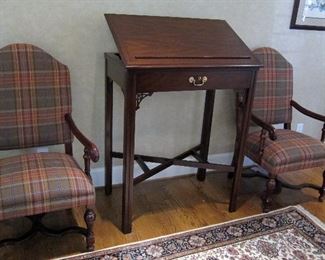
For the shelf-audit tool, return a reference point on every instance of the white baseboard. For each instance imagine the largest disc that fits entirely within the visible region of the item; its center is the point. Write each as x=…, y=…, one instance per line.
x=99, y=177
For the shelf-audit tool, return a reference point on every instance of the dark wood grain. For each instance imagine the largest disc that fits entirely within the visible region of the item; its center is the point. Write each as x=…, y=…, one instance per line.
x=311, y=114
x=307, y=112
x=68, y=148
x=128, y=151
x=158, y=159
x=162, y=54
x=239, y=157
x=322, y=189
x=151, y=42
x=206, y=131
x=90, y=217
x=178, y=79
x=240, y=97
x=287, y=126
x=164, y=165
x=91, y=147
x=108, y=130
x=266, y=126
x=116, y=70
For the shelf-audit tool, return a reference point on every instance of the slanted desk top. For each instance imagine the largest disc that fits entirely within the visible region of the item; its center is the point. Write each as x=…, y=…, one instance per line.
x=157, y=42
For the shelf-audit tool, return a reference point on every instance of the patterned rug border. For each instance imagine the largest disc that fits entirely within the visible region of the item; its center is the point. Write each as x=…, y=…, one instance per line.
x=155, y=240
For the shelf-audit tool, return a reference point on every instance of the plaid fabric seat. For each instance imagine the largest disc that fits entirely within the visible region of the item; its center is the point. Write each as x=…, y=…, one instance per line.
x=43, y=182
x=291, y=151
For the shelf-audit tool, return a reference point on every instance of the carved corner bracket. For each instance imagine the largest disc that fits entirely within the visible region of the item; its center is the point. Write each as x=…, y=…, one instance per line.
x=140, y=97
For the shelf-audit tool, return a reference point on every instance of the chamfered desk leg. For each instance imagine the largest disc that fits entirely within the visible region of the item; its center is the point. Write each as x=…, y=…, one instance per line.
x=206, y=131
x=108, y=132
x=128, y=157
x=240, y=146
x=239, y=107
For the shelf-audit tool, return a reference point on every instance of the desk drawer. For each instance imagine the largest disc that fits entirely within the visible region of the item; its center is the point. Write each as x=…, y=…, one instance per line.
x=192, y=80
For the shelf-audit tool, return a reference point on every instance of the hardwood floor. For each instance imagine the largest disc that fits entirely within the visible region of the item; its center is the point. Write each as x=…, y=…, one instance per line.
x=161, y=207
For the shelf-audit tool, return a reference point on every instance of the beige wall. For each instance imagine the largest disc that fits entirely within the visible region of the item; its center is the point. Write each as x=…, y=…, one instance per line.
x=75, y=32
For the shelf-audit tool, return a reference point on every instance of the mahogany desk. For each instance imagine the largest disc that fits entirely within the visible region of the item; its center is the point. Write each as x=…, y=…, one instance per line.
x=174, y=54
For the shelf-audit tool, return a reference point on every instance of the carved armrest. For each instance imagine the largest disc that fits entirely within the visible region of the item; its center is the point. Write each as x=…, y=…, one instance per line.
x=307, y=112
x=269, y=128
x=90, y=147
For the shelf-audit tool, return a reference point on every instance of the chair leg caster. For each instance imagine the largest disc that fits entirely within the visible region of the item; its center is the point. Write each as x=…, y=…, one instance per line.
x=90, y=217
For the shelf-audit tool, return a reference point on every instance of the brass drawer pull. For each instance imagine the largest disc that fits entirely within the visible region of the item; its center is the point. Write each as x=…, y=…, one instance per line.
x=199, y=82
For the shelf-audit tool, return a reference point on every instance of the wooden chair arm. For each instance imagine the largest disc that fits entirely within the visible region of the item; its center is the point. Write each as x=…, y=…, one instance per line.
x=269, y=128
x=307, y=112
x=89, y=146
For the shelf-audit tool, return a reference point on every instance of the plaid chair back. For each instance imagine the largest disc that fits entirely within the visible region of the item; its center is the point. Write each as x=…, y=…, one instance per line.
x=273, y=91
x=34, y=97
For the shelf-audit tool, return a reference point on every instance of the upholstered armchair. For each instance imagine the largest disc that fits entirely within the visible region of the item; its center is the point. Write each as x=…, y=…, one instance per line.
x=35, y=110
x=281, y=150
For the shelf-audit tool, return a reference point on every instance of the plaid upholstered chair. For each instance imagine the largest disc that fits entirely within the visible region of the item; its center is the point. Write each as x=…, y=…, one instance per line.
x=35, y=110
x=281, y=150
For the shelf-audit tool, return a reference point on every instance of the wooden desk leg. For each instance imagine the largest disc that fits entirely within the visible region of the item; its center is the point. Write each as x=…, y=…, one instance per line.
x=108, y=134
x=239, y=109
x=240, y=152
x=206, y=131
x=128, y=158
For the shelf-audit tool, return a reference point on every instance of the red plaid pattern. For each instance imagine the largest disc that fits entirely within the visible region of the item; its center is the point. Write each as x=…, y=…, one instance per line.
x=273, y=87
x=34, y=97
x=291, y=151
x=39, y=183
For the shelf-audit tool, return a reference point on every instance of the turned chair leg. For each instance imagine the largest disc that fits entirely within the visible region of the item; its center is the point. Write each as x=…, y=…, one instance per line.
x=90, y=217
x=267, y=196
x=322, y=189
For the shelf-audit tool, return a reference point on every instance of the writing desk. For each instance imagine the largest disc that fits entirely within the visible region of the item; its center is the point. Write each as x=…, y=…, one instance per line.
x=174, y=54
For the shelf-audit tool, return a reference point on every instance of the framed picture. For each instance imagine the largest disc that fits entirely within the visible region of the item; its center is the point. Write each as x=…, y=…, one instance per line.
x=308, y=15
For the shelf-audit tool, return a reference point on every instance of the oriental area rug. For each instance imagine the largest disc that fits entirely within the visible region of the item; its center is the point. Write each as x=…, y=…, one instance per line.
x=289, y=233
